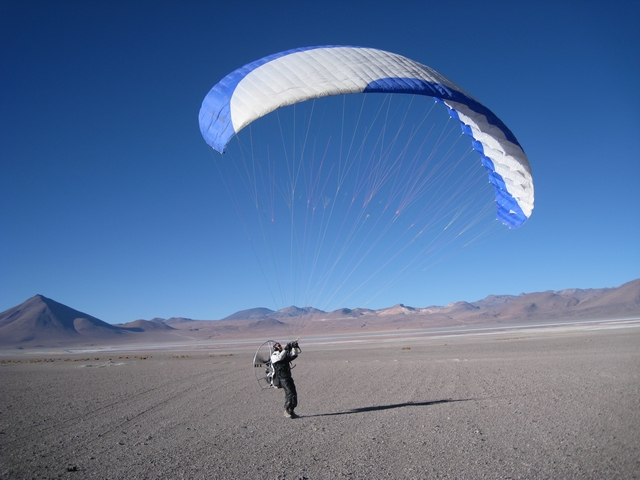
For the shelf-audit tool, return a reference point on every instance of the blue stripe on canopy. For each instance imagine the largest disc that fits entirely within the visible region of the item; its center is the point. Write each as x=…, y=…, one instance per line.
x=417, y=86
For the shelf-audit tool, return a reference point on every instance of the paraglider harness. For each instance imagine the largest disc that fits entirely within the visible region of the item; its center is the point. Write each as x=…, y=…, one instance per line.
x=282, y=369
x=264, y=370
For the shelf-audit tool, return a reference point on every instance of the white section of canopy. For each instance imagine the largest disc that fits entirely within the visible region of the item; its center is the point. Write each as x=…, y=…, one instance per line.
x=509, y=161
x=320, y=72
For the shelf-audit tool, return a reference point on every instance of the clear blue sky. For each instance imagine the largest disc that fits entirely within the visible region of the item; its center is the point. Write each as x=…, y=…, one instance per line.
x=110, y=202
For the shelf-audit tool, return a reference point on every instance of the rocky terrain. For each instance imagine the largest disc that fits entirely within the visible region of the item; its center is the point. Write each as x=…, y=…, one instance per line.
x=538, y=403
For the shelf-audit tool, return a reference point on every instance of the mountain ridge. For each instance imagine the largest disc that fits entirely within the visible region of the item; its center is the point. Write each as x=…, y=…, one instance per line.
x=43, y=322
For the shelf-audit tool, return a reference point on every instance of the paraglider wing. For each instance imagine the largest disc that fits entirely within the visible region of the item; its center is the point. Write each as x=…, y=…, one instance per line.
x=302, y=74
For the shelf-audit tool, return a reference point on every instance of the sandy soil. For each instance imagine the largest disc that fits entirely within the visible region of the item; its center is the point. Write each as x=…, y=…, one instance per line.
x=560, y=403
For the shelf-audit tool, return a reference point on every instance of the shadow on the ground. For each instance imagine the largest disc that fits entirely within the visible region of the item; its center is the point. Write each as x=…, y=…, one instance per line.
x=388, y=407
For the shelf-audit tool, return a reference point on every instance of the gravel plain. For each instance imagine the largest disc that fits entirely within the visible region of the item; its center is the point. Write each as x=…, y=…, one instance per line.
x=548, y=403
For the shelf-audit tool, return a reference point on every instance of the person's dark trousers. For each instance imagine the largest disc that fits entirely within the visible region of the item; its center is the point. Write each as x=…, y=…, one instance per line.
x=290, y=394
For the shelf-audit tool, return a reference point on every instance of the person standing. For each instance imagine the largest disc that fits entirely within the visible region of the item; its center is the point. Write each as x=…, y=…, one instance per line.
x=281, y=361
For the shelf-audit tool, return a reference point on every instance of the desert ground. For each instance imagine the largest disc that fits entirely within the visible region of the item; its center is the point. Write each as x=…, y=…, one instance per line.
x=559, y=402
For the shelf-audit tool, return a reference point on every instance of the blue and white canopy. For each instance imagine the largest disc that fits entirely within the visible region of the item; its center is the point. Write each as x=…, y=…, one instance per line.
x=305, y=73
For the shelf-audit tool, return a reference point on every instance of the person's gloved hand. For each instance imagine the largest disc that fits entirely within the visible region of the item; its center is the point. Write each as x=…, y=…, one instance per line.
x=288, y=347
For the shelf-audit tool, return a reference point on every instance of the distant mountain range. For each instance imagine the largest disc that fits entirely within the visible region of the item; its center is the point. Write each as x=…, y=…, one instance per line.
x=259, y=313
x=42, y=322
